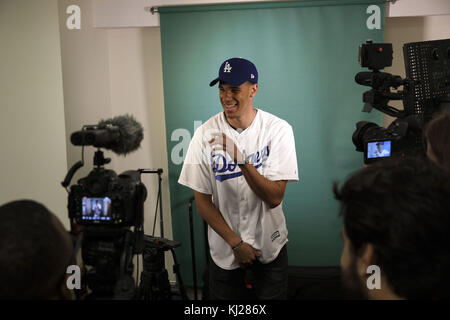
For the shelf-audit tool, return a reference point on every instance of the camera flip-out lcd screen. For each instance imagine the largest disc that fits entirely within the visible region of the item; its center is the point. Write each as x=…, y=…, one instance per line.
x=96, y=208
x=379, y=149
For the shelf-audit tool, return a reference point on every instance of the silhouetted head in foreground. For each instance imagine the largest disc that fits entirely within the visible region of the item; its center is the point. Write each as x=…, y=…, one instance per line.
x=396, y=235
x=35, y=250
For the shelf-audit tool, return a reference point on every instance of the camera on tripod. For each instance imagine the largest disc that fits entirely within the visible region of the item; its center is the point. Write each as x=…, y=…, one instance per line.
x=103, y=206
x=426, y=91
x=106, y=212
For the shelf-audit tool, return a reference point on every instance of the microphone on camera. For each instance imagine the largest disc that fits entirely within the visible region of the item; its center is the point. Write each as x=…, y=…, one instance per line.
x=131, y=133
x=121, y=134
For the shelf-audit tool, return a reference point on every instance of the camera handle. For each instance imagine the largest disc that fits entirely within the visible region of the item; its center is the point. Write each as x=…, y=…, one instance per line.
x=70, y=173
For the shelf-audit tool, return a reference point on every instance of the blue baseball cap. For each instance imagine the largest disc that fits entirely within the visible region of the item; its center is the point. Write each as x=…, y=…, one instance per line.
x=236, y=71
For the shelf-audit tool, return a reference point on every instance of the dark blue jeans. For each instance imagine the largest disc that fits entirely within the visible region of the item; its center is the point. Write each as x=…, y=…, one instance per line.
x=269, y=281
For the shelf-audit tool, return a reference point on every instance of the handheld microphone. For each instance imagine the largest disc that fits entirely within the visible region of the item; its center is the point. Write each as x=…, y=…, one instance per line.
x=121, y=134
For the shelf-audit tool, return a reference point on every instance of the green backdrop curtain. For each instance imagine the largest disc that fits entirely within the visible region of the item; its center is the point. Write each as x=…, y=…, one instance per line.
x=306, y=53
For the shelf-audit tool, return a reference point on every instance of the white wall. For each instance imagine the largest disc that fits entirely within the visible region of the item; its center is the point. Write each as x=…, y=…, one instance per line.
x=136, y=87
x=32, y=133
x=85, y=66
x=110, y=72
x=417, y=8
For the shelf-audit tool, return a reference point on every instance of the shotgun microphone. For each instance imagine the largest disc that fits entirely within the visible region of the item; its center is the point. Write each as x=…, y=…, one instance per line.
x=121, y=134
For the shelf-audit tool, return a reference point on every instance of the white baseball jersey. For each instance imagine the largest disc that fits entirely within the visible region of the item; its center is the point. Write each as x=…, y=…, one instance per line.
x=269, y=146
x=382, y=153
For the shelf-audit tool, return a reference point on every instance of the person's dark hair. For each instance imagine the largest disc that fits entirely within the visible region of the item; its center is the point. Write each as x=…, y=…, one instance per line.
x=402, y=207
x=437, y=134
x=33, y=251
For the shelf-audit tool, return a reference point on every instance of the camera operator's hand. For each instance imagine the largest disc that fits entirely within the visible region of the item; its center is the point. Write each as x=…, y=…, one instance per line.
x=245, y=254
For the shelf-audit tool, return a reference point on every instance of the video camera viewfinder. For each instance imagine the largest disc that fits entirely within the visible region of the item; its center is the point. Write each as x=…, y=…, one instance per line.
x=96, y=209
x=376, y=149
x=375, y=56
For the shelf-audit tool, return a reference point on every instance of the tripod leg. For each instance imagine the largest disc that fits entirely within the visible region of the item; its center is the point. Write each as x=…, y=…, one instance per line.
x=194, y=265
x=176, y=268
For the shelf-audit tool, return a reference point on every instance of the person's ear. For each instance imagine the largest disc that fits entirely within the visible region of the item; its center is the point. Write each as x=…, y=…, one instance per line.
x=430, y=154
x=365, y=258
x=253, y=89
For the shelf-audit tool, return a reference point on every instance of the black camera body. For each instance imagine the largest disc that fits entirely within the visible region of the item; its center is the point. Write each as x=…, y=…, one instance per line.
x=103, y=206
x=397, y=140
x=105, y=198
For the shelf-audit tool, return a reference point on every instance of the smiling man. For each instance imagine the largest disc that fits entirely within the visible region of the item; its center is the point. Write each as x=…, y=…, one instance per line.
x=238, y=164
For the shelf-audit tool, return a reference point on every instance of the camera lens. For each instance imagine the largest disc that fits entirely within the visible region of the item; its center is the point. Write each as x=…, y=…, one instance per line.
x=89, y=138
x=361, y=133
x=77, y=138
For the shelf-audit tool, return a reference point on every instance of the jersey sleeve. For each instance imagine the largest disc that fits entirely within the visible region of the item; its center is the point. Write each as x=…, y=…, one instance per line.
x=196, y=171
x=282, y=160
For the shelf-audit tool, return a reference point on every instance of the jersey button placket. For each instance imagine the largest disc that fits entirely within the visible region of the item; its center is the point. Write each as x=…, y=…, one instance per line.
x=242, y=207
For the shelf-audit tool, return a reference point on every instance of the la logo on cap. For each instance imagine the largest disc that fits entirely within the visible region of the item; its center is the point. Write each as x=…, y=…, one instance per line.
x=227, y=67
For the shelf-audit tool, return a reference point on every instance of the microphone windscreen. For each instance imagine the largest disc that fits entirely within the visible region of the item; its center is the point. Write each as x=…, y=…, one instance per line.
x=131, y=133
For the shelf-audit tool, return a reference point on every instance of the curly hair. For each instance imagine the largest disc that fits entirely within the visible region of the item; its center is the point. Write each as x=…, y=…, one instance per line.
x=402, y=207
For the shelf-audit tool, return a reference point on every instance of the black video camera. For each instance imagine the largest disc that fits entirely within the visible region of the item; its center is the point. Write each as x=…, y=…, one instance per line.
x=103, y=206
x=426, y=89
